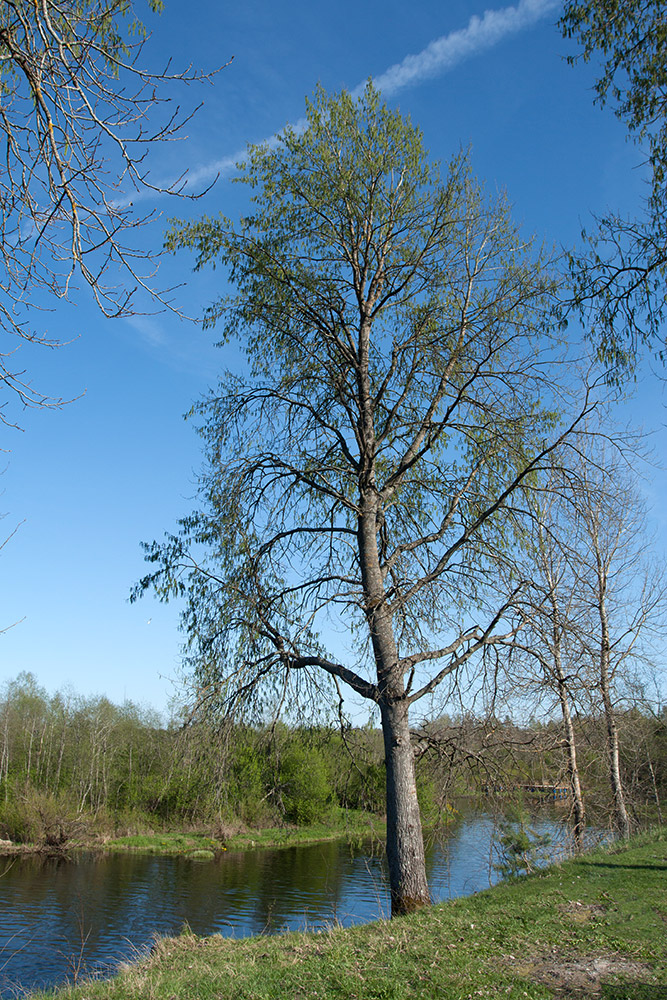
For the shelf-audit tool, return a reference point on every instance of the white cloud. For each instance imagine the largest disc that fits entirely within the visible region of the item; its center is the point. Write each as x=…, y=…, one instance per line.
x=440, y=56
x=448, y=51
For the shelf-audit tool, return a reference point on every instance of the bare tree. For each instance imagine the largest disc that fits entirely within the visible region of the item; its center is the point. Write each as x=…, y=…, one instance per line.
x=79, y=113
x=624, y=593
x=595, y=603
x=554, y=614
x=361, y=470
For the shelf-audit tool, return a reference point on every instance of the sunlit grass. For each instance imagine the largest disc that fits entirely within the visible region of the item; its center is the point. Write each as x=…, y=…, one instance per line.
x=353, y=825
x=594, y=926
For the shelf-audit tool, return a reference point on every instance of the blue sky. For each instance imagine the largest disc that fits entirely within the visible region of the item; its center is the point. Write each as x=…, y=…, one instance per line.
x=116, y=466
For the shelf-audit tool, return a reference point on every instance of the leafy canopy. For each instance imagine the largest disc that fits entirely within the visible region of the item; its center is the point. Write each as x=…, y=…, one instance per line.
x=397, y=386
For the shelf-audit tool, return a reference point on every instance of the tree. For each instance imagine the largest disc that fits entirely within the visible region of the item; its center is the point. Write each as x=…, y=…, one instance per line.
x=78, y=117
x=620, y=278
x=361, y=463
x=553, y=608
x=596, y=604
x=625, y=597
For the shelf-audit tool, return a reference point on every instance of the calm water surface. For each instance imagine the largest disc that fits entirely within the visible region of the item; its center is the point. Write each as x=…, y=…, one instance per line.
x=116, y=904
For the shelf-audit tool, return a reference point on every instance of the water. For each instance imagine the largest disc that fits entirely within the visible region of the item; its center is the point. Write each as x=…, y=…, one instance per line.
x=95, y=912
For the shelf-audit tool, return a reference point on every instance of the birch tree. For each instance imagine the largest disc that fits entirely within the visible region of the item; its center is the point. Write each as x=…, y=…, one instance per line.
x=555, y=612
x=625, y=597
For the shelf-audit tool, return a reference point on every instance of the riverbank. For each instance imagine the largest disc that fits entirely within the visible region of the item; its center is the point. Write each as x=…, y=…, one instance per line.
x=351, y=824
x=593, y=926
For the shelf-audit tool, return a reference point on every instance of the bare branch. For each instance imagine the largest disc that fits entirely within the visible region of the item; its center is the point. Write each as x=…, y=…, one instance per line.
x=78, y=118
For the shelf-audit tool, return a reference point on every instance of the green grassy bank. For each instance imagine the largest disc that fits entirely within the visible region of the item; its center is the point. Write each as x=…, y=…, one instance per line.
x=350, y=824
x=353, y=825
x=595, y=926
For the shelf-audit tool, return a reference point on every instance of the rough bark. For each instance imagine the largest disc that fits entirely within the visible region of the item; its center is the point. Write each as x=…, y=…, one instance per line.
x=405, y=844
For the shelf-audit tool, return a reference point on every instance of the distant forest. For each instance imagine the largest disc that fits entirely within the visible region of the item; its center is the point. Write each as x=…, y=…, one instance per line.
x=72, y=766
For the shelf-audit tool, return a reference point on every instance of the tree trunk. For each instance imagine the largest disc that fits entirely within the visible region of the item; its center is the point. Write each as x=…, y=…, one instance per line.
x=405, y=844
x=622, y=820
x=655, y=789
x=578, y=811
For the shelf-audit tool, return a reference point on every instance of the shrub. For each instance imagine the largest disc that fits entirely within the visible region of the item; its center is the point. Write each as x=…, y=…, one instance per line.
x=39, y=818
x=305, y=786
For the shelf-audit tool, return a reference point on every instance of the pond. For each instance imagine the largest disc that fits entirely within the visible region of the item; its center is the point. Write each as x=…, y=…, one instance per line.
x=93, y=912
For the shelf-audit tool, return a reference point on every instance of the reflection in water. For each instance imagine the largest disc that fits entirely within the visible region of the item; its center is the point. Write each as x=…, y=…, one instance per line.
x=104, y=910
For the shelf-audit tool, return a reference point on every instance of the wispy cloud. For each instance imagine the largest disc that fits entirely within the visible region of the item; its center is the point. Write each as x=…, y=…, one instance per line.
x=148, y=329
x=440, y=56
x=450, y=50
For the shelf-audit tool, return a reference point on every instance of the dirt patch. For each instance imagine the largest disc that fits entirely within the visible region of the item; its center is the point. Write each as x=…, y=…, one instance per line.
x=582, y=913
x=581, y=975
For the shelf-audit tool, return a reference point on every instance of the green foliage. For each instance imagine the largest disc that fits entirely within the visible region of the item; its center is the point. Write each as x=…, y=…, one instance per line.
x=365, y=786
x=16, y=824
x=397, y=327
x=36, y=817
x=620, y=278
x=305, y=787
x=122, y=770
x=246, y=793
x=428, y=802
x=103, y=27
x=631, y=38
x=520, y=847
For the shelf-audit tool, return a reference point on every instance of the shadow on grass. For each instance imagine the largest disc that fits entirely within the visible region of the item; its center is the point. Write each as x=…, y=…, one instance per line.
x=633, y=991
x=619, y=865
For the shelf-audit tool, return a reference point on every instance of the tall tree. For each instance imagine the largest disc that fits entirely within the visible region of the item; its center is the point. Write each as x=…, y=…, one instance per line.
x=361, y=464
x=79, y=113
x=596, y=604
x=621, y=275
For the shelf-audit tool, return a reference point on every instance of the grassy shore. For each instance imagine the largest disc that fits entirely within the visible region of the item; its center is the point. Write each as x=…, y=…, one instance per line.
x=341, y=824
x=353, y=825
x=591, y=927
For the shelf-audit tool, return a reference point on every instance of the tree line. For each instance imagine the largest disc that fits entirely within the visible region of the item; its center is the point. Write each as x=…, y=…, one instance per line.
x=69, y=762
x=74, y=766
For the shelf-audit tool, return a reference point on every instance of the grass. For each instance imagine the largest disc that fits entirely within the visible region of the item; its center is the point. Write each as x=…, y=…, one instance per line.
x=353, y=825
x=594, y=926
x=166, y=843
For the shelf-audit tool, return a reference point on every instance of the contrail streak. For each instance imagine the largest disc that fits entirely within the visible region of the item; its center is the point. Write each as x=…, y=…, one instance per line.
x=446, y=52
x=440, y=56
